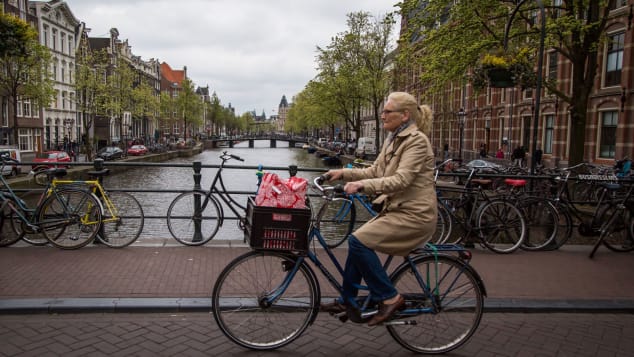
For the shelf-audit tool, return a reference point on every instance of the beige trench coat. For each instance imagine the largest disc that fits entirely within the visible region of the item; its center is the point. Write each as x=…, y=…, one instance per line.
x=403, y=178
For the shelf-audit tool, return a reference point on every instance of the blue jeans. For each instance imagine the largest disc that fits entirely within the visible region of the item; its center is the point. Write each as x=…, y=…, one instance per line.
x=363, y=263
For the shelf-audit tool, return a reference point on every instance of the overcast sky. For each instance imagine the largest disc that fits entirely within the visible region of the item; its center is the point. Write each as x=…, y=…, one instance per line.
x=250, y=52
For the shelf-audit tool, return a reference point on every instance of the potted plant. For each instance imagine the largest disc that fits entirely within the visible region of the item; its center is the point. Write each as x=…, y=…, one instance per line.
x=504, y=70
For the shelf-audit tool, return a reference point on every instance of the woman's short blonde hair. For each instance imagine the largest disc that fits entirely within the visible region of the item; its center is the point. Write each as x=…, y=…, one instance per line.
x=421, y=114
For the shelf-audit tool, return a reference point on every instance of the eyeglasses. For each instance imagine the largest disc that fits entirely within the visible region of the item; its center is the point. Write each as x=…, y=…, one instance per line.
x=387, y=111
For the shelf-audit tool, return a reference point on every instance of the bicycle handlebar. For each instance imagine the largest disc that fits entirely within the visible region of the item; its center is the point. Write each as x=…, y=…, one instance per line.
x=319, y=181
x=227, y=156
x=8, y=159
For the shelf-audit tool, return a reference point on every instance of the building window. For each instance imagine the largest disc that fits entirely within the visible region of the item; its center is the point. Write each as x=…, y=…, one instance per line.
x=549, y=130
x=552, y=65
x=614, y=59
x=26, y=108
x=62, y=42
x=71, y=45
x=45, y=36
x=54, y=40
x=607, y=142
x=63, y=73
x=63, y=100
x=617, y=4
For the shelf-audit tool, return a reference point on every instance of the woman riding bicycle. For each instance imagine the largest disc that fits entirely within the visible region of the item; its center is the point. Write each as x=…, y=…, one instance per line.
x=402, y=178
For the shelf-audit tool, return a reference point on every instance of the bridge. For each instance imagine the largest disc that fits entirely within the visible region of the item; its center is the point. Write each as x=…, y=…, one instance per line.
x=273, y=139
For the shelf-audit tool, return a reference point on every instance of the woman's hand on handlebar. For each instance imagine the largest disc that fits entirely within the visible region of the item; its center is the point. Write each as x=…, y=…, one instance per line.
x=353, y=187
x=334, y=175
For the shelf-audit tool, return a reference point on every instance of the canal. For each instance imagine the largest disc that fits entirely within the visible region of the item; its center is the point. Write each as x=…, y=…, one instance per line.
x=155, y=230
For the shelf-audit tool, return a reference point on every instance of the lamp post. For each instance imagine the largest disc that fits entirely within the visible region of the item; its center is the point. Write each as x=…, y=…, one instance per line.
x=461, y=118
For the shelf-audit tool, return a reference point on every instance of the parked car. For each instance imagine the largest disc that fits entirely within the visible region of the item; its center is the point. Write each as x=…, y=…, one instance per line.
x=11, y=170
x=482, y=164
x=137, y=150
x=50, y=159
x=110, y=153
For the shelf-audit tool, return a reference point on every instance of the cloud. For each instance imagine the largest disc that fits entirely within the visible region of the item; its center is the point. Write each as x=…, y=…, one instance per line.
x=250, y=52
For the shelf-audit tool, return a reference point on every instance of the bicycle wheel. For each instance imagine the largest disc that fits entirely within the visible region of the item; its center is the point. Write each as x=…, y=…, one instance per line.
x=458, y=217
x=70, y=218
x=189, y=228
x=123, y=230
x=443, y=226
x=247, y=309
x=8, y=235
x=542, y=222
x=338, y=221
x=501, y=226
x=31, y=199
x=616, y=232
x=459, y=299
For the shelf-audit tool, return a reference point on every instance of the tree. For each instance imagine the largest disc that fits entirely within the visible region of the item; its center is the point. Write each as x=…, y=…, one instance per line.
x=91, y=89
x=119, y=87
x=446, y=39
x=353, y=69
x=189, y=105
x=24, y=66
x=146, y=102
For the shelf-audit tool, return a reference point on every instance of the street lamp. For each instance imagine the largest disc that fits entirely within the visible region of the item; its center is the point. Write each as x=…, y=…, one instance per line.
x=461, y=118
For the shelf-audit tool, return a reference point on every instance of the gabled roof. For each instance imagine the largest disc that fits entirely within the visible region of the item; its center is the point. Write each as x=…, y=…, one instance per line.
x=174, y=76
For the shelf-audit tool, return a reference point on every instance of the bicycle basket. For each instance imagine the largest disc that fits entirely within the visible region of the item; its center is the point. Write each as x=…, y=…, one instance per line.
x=279, y=229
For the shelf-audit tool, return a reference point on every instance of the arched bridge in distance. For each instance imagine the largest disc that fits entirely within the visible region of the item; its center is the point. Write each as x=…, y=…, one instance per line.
x=273, y=140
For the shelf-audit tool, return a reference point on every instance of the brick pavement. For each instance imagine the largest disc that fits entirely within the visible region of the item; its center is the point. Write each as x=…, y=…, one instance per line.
x=196, y=334
x=177, y=278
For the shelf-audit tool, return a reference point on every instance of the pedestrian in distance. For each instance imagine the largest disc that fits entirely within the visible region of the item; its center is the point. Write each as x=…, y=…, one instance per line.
x=499, y=154
x=538, y=157
x=445, y=152
x=402, y=178
x=483, y=151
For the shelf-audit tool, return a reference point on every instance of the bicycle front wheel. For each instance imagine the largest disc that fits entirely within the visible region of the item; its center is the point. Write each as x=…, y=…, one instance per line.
x=501, y=226
x=123, y=222
x=616, y=234
x=193, y=218
x=70, y=218
x=31, y=199
x=453, y=316
x=338, y=221
x=8, y=235
x=255, y=309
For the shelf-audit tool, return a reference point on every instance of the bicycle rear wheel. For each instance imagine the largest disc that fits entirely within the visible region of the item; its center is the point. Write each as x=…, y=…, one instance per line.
x=70, y=218
x=459, y=298
x=443, y=226
x=32, y=199
x=338, y=221
x=501, y=225
x=542, y=223
x=123, y=230
x=245, y=305
x=190, y=228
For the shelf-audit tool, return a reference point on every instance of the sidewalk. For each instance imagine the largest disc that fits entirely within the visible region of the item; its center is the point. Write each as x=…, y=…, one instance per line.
x=170, y=277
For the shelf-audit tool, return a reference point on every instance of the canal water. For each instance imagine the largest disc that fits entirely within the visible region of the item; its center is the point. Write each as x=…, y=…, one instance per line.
x=154, y=204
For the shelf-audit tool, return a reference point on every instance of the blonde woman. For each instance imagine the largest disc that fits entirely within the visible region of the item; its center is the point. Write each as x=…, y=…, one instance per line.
x=402, y=178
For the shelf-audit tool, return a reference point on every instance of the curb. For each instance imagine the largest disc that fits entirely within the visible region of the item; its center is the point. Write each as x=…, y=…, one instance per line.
x=146, y=305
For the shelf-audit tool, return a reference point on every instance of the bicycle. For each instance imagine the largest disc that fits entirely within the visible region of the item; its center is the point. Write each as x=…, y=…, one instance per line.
x=343, y=218
x=122, y=215
x=617, y=230
x=495, y=221
x=68, y=217
x=266, y=298
x=194, y=217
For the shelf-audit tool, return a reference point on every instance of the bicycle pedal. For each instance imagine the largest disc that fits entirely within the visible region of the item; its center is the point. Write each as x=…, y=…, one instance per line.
x=342, y=316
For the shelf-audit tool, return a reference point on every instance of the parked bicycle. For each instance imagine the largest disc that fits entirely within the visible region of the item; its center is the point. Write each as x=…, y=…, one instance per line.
x=68, y=217
x=193, y=218
x=122, y=214
x=266, y=298
x=617, y=229
x=494, y=221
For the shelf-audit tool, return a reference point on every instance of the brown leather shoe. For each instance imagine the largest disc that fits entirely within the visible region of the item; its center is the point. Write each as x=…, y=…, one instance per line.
x=333, y=308
x=386, y=311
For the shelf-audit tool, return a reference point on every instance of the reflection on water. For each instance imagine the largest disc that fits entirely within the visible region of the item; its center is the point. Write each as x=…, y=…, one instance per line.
x=181, y=178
